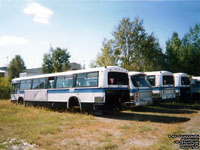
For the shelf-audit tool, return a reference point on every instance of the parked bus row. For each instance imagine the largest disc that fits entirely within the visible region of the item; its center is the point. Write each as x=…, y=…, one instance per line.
x=103, y=88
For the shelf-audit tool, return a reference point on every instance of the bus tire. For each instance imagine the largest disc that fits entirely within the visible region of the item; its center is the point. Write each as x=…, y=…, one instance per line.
x=20, y=100
x=74, y=105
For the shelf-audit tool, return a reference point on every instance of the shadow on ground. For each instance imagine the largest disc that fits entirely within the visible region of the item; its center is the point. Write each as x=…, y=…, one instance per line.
x=162, y=109
x=179, y=106
x=145, y=117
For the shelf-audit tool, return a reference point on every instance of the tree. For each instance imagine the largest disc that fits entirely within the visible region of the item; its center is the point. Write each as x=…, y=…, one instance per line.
x=190, y=52
x=4, y=88
x=131, y=48
x=57, y=60
x=107, y=56
x=173, y=52
x=16, y=66
x=183, y=55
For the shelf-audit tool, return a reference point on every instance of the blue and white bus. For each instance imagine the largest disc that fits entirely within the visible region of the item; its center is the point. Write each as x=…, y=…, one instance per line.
x=162, y=83
x=89, y=89
x=182, y=86
x=140, y=89
x=195, y=89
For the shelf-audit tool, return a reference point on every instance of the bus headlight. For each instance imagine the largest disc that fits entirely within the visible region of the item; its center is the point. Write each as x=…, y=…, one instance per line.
x=99, y=99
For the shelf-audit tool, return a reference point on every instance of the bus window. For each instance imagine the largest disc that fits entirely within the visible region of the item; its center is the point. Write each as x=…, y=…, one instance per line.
x=14, y=88
x=25, y=84
x=117, y=78
x=51, y=82
x=87, y=79
x=64, y=81
x=38, y=83
x=168, y=80
x=139, y=81
x=185, y=81
x=151, y=80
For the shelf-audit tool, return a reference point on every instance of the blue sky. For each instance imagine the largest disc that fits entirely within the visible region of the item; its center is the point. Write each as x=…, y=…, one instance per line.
x=28, y=27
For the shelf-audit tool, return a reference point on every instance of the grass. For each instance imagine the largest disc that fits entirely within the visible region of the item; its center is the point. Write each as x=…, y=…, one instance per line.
x=141, y=128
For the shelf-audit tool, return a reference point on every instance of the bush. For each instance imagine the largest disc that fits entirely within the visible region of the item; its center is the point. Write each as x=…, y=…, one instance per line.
x=4, y=88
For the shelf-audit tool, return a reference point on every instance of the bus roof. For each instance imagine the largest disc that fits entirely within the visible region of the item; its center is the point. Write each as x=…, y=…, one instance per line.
x=109, y=68
x=158, y=73
x=181, y=74
x=136, y=73
x=197, y=78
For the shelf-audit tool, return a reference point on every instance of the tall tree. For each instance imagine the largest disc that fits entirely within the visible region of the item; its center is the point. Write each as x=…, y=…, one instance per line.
x=183, y=55
x=173, y=52
x=190, y=57
x=131, y=47
x=107, y=56
x=57, y=60
x=16, y=66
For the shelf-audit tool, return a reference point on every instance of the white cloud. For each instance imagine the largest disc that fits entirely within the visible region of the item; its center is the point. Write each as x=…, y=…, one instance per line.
x=41, y=13
x=12, y=40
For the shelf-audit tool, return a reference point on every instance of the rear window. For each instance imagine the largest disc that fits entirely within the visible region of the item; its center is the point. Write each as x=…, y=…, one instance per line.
x=185, y=81
x=168, y=80
x=139, y=81
x=151, y=80
x=117, y=78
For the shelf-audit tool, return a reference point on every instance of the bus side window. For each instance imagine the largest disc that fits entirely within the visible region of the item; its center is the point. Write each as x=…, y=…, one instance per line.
x=51, y=82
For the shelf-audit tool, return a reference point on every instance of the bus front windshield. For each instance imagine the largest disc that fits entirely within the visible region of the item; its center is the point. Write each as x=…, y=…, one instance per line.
x=140, y=81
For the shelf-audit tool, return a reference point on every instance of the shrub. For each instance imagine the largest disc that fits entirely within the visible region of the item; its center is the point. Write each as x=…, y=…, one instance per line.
x=4, y=88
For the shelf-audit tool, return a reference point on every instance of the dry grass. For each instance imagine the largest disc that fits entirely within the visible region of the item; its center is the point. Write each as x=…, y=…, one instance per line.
x=141, y=128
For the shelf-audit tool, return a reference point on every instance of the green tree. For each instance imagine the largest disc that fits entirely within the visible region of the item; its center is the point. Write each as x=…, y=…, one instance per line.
x=57, y=60
x=16, y=66
x=4, y=88
x=173, y=52
x=107, y=56
x=190, y=52
x=183, y=55
x=131, y=48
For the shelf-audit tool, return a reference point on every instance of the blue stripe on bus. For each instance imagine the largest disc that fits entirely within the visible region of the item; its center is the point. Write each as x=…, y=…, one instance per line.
x=21, y=92
x=162, y=88
x=89, y=90
x=137, y=90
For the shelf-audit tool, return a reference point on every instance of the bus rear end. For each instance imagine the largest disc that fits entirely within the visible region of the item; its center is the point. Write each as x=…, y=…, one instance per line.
x=140, y=90
x=117, y=88
x=168, y=90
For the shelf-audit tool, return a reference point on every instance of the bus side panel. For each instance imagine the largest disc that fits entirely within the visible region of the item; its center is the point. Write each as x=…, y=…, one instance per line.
x=14, y=97
x=35, y=95
x=59, y=95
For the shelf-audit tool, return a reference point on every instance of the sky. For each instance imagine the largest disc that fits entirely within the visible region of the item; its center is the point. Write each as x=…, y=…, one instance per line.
x=29, y=27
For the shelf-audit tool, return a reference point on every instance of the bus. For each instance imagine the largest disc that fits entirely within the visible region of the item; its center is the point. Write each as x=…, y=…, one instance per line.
x=140, y=89
x=89, y=89
x=195, y=89
x=182, y=86
x=162, y=83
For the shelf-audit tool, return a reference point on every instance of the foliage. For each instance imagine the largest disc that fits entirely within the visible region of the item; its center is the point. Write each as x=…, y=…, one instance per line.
x=131, y=48
x=16, y=66
x=4, y=88
x=57, y=60
x=183, y=55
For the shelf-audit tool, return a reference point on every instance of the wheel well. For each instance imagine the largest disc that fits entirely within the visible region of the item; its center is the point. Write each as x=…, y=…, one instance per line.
x=73, y=101
x=20, y=100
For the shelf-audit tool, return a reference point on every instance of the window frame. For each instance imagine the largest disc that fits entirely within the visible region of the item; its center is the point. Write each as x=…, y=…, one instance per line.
x=64, y=79
x=154, y=79
x=76, y=77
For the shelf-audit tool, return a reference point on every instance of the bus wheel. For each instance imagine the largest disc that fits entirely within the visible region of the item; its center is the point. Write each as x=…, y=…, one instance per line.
x=74, y=104
x=20, y=100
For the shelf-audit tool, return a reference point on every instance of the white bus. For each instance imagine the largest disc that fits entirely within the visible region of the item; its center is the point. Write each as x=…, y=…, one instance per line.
x=140, y=89
x=182, y=86
x=162, y=83
x=89, y=89
x=195, y=89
